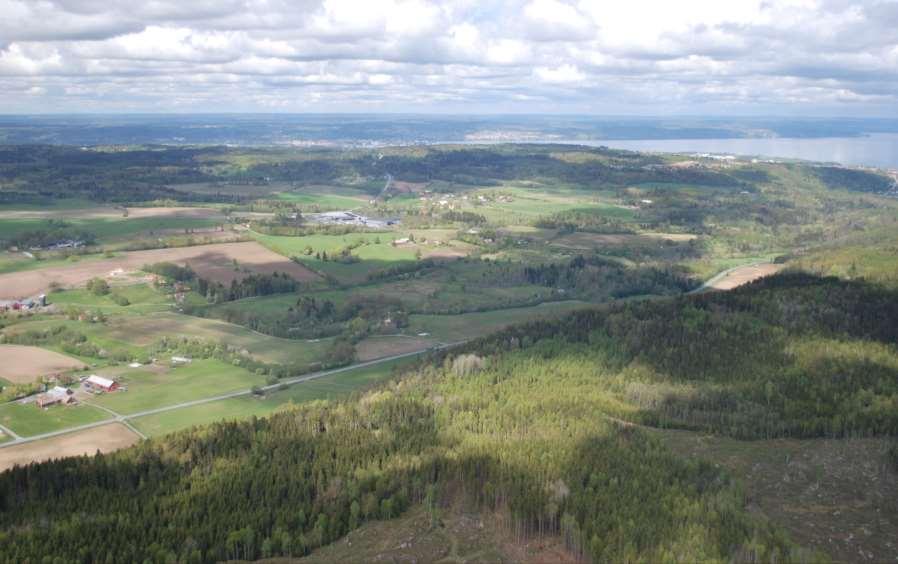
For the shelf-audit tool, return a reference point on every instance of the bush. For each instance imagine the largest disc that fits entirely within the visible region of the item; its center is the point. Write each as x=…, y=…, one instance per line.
x=98, y=286
x=120, y=300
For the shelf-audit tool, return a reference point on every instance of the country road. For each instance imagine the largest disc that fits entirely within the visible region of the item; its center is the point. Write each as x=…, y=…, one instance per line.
x=125, y=419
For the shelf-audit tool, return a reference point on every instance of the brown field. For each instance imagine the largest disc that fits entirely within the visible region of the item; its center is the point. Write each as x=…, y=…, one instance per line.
x=583, y=240
x=23, y=365
x=105, y=438
x=404, y=187
x=379, y=347
x=213, y=262
x=744, y=275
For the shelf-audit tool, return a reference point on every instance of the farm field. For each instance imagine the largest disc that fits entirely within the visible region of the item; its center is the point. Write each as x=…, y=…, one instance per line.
x=153, y=387
x=219, y=262
x=105, y=438
x=27, y=420
x=142, y=299
x=331, y=387
x=22, y=364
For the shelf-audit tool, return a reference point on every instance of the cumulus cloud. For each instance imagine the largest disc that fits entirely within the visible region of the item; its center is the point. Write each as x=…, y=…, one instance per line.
x=638, y=56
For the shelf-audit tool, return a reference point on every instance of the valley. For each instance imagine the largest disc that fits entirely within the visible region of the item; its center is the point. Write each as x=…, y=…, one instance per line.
x=604, y=354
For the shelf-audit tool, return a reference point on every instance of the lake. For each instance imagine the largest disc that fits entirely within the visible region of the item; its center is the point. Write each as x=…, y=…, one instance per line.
x=877, y=150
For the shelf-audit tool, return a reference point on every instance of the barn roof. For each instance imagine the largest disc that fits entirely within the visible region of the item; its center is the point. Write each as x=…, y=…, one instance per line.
x=100, y=381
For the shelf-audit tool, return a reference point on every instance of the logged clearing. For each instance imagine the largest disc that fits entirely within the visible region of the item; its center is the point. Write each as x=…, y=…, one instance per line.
x=743, y=275
x=20, y=364
x=450, y=534
x=221, y=262
x=837, y=496
x=105, y=438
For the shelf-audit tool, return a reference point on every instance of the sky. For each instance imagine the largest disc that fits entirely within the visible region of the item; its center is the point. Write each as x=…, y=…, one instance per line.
x=612, y=57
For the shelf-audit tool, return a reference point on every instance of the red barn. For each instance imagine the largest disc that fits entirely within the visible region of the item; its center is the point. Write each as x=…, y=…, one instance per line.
x=101, y=383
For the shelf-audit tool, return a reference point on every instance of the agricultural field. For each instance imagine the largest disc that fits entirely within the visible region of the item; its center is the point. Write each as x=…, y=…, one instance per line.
x=155, y=386
x=105, y=438
x=335, y=386
x=23, y=364
x=218, y=262
x=27, y=420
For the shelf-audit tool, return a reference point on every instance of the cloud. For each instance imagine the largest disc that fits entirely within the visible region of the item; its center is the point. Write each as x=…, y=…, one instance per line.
x=638, y=56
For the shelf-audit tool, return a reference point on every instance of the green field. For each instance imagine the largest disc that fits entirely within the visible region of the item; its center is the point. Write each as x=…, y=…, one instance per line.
x=149, y=389
x=373, y=255
x=329, y=387
x=143, y=299
x=27, y=420
x=470, y=325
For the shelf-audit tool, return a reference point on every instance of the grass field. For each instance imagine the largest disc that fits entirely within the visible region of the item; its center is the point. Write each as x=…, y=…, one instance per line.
x=143, y=299
x=335, y=386
x=470, y=325
x=149, y=389
x=27, y=420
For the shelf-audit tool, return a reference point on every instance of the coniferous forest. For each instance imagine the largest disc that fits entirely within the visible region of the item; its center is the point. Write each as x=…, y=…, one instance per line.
x=546, y=423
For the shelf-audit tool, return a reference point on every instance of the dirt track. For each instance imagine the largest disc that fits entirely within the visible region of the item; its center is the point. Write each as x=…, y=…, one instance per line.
x=213, y=262
x=22, y=365
x=105, y=438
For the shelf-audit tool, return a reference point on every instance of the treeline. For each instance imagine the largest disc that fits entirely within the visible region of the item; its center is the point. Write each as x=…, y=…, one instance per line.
x=248, y=287
x=790, y=356
x=586, y=221
x=54, y=231
x=312, y=317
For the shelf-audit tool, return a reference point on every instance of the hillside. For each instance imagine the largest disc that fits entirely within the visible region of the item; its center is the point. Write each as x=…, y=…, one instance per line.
x=535, y=423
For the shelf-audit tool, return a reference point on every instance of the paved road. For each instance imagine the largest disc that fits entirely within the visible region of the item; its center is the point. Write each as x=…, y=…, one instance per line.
x=124, y=419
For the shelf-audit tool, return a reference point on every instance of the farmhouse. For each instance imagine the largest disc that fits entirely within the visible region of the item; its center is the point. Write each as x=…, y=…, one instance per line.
x=56, y=395
x=99, y=383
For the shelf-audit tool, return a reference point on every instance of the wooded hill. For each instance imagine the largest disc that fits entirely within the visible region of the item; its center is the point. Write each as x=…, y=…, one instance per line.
x=526, y=423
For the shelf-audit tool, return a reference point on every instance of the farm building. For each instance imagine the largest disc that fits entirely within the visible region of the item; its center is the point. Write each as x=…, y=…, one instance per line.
x=53, y=396
x=100, y=383
x=180, y=360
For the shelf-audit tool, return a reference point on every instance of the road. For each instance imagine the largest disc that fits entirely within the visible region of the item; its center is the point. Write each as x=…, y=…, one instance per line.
x=125, y=419
x=386, y=187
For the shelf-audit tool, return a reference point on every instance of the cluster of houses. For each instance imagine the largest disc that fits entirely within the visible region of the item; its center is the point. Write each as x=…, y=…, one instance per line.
x=23, y=305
